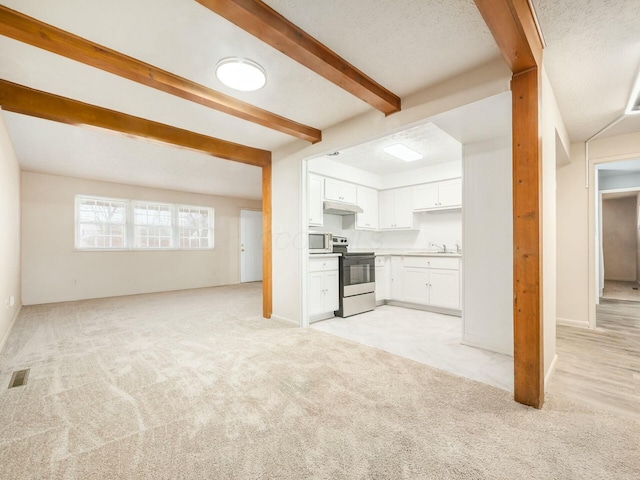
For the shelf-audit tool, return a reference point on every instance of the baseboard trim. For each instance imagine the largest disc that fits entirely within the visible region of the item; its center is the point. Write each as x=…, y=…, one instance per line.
x=550, y=372
x=425, y=308
x=283, y=319
x=489, y=348
x=5, y=337
x=572, y=323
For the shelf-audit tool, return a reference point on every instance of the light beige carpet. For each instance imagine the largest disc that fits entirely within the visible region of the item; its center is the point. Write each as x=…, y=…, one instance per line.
x=195, y=385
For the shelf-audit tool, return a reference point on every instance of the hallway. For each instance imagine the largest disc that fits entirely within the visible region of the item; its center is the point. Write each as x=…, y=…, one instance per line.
x=601, y=367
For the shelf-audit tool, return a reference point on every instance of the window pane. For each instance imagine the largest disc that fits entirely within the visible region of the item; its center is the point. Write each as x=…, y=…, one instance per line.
x=153, y=225
x=195, y=223
x=101, y=223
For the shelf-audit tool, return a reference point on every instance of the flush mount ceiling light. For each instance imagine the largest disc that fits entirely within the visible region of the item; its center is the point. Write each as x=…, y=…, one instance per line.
x=633, y=106
x=402, y=152
x=241, y=74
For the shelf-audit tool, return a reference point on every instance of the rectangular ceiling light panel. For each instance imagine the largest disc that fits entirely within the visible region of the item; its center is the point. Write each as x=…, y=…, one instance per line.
x=402, y=152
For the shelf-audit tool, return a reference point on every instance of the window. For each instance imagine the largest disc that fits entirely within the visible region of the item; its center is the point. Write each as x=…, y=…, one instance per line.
x=195, y=226
x=116, y=224
x=101, y=223
x=152, y=225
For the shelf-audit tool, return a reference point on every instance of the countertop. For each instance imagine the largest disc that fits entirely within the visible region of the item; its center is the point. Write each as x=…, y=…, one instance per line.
x=413, y=253
x=382, y=253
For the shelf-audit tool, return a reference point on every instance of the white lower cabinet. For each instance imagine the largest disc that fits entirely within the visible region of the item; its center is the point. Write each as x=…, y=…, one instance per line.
x=432, y=281
x=416, y=285
x=322, y=287
x=425, y=281
x=383, y=278
x=444, y=288
x=395, y=286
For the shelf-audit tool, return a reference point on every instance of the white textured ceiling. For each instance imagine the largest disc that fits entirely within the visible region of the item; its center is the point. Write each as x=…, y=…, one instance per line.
x=592, y=58
x=434, y=145
x=405, y=45
x=439, y=140
x=59, y=149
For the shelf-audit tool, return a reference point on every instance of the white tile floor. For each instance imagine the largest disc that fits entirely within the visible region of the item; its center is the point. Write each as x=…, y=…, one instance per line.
x=429, y=338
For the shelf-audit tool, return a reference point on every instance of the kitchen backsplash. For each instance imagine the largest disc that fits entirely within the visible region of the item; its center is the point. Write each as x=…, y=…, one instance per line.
x=444, y=227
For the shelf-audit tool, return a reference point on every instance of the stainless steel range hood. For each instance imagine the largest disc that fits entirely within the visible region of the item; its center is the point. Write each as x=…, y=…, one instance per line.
x=340, y=208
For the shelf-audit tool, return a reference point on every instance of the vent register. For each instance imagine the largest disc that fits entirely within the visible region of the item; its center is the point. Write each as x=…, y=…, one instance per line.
x=19, y=378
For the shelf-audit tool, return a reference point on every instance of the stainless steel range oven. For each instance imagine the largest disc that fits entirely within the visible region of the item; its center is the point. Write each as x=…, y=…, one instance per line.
x=357, y=283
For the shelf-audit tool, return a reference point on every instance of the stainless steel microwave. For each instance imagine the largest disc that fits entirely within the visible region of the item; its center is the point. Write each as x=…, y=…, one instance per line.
x=320, y=242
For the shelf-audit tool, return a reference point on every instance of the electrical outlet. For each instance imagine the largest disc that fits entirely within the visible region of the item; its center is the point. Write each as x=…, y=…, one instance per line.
x=12, y=301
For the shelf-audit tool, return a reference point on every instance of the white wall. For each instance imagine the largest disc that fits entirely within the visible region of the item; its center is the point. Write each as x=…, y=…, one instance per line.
x=53, y=271
x=572, y=241
x=288, y=223
x=555, y=144
x=576, y=238
x=9, y=235
x=487, y=312
x=619, y=232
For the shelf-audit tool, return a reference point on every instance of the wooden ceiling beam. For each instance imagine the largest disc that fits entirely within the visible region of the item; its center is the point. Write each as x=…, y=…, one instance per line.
x=513, y=26
x=34, y=32
x=266, y=24
x=27, y=101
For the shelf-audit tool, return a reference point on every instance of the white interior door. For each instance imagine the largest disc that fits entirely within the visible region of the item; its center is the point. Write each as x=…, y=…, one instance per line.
x=250, y=246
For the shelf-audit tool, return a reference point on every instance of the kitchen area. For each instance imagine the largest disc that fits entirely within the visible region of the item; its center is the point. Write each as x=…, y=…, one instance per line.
x=386, y=252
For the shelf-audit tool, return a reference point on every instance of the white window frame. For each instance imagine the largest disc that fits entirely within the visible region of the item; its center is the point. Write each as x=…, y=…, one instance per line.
x=129, y=225
x=172, y=225
x=211, y=213
x=78, y=200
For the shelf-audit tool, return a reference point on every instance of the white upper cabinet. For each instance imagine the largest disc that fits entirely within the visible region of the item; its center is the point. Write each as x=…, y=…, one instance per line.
x=438, y=195
x=315, y=196
x=368, y=201
x=396, y=211
x=339, y=191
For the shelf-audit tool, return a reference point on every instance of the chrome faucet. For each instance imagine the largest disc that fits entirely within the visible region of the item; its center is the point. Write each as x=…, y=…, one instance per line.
x=443, y=247
x=458, y=248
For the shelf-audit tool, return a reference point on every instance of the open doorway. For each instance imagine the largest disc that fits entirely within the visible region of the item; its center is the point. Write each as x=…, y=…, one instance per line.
x=618, y=235
x=621, y=246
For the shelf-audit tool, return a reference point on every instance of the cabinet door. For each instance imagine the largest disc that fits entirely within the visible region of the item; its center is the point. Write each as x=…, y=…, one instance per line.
x=339, y=191
x=387, y=208
x=331, y=301
x=315, y=196
x=425, y=196
x=331, y=189
x=416, y=285
x=368, y=201
x=396, y=284
x=403, y=208
x=450, y=193
x=445, y=288
x=316, y=293
x=348, y=192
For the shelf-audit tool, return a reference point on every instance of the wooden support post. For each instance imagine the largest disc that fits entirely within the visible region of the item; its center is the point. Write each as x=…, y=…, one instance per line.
x=267, y=286
x=513, y=26
x=527, y=240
